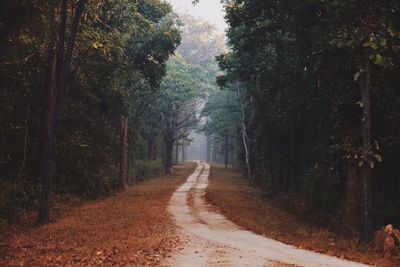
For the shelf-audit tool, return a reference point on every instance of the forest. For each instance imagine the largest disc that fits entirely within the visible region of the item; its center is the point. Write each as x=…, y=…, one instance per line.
x=84, y=106
x=312, y=87
x=301, y=97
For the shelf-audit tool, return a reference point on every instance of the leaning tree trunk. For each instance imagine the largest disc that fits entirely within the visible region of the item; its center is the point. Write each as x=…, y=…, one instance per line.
x=245, y=145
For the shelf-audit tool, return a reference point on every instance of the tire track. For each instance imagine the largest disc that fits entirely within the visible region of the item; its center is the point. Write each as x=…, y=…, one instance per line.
x=212, y=240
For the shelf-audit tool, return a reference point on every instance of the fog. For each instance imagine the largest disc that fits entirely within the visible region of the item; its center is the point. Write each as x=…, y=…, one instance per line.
x=198, y=148
x=208, y=10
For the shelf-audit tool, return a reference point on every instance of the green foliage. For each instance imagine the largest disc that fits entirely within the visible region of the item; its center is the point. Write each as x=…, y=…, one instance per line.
x=319, y=192
x=298, y=65
x=222, y=111
x=118, y=62
x=201, y=42
x=143, y=169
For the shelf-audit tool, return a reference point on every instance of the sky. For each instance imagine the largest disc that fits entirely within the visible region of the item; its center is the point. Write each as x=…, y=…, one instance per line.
x=209, y=10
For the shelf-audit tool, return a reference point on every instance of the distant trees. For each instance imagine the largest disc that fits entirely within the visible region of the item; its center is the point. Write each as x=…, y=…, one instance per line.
x=178, y=105
x=190, y=77
x=317, y=79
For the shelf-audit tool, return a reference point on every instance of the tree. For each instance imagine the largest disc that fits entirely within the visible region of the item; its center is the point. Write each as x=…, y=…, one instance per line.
x=182, y=90
x=60, y=49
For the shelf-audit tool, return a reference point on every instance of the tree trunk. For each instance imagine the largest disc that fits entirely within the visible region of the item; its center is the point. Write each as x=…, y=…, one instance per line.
x=131, y=159
x=208, y=149
x=47, y=138
x=352, y=207
x=274, y=186
x=176, y=154
x=226, y=151
x=124, y=152
x=183, y=152
x=150, y=146
x=55, y=90
x=26, y=135
x=169, y=147
x=245, y=145
x=366, y=144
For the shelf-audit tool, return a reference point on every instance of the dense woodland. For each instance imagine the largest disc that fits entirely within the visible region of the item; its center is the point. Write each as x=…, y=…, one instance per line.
x=96, y=95
x=313, y=89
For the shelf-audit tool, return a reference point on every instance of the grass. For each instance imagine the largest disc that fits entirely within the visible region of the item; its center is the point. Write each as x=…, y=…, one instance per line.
x=250, y=209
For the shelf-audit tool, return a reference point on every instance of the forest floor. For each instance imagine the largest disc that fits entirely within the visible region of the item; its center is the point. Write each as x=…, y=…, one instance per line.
x=145, y=226
x=131, y=228
x=248, y=208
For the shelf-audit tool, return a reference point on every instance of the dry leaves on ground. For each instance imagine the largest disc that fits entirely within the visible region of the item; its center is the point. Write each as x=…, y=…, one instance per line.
x=132, y=228
x=247, y=207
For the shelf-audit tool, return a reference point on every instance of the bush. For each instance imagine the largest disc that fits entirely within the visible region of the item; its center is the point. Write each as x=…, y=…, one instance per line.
x=146, y=168
x=15, y=198
x=319, y=191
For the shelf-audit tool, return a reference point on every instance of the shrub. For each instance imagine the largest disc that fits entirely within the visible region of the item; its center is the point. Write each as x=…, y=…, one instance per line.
x=15, y=198
x=146, y=168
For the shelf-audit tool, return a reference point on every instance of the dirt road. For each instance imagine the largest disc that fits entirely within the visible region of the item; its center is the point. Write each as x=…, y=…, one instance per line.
x=212, y=240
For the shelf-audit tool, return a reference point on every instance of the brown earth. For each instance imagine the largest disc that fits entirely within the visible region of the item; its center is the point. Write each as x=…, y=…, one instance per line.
x=132, y=228
x=247, y=207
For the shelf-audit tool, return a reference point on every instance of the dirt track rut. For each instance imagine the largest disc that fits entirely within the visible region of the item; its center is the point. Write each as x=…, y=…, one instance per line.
x=212, y=240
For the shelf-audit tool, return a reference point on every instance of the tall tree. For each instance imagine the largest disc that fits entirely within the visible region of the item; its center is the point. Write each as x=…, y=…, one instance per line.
x=60, y=49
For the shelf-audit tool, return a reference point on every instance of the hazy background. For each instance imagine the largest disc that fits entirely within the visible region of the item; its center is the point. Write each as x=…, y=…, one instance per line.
x=210, y=10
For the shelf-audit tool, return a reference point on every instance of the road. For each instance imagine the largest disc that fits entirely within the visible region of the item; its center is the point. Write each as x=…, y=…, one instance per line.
x=212, y=240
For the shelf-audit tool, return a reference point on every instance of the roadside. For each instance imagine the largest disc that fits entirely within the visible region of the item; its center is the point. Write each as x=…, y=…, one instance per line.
x=245, y=206
x=130, y=228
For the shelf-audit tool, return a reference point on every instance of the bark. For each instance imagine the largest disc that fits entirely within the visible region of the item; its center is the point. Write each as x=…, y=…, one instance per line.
x=245, y=138
x=26, y=135
x=183, y=154
x=274, y=186
x=366, y=144
x=64, y=73
x=150, y=146
x=124, y=152
x=169, y=140
x=130, y=176
x=169, y=147
x=352, y=207
x=245, y=145
x=226, y=151
x=55, y=87
x=208, y=151
x=176, y=154
x=46, y=155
